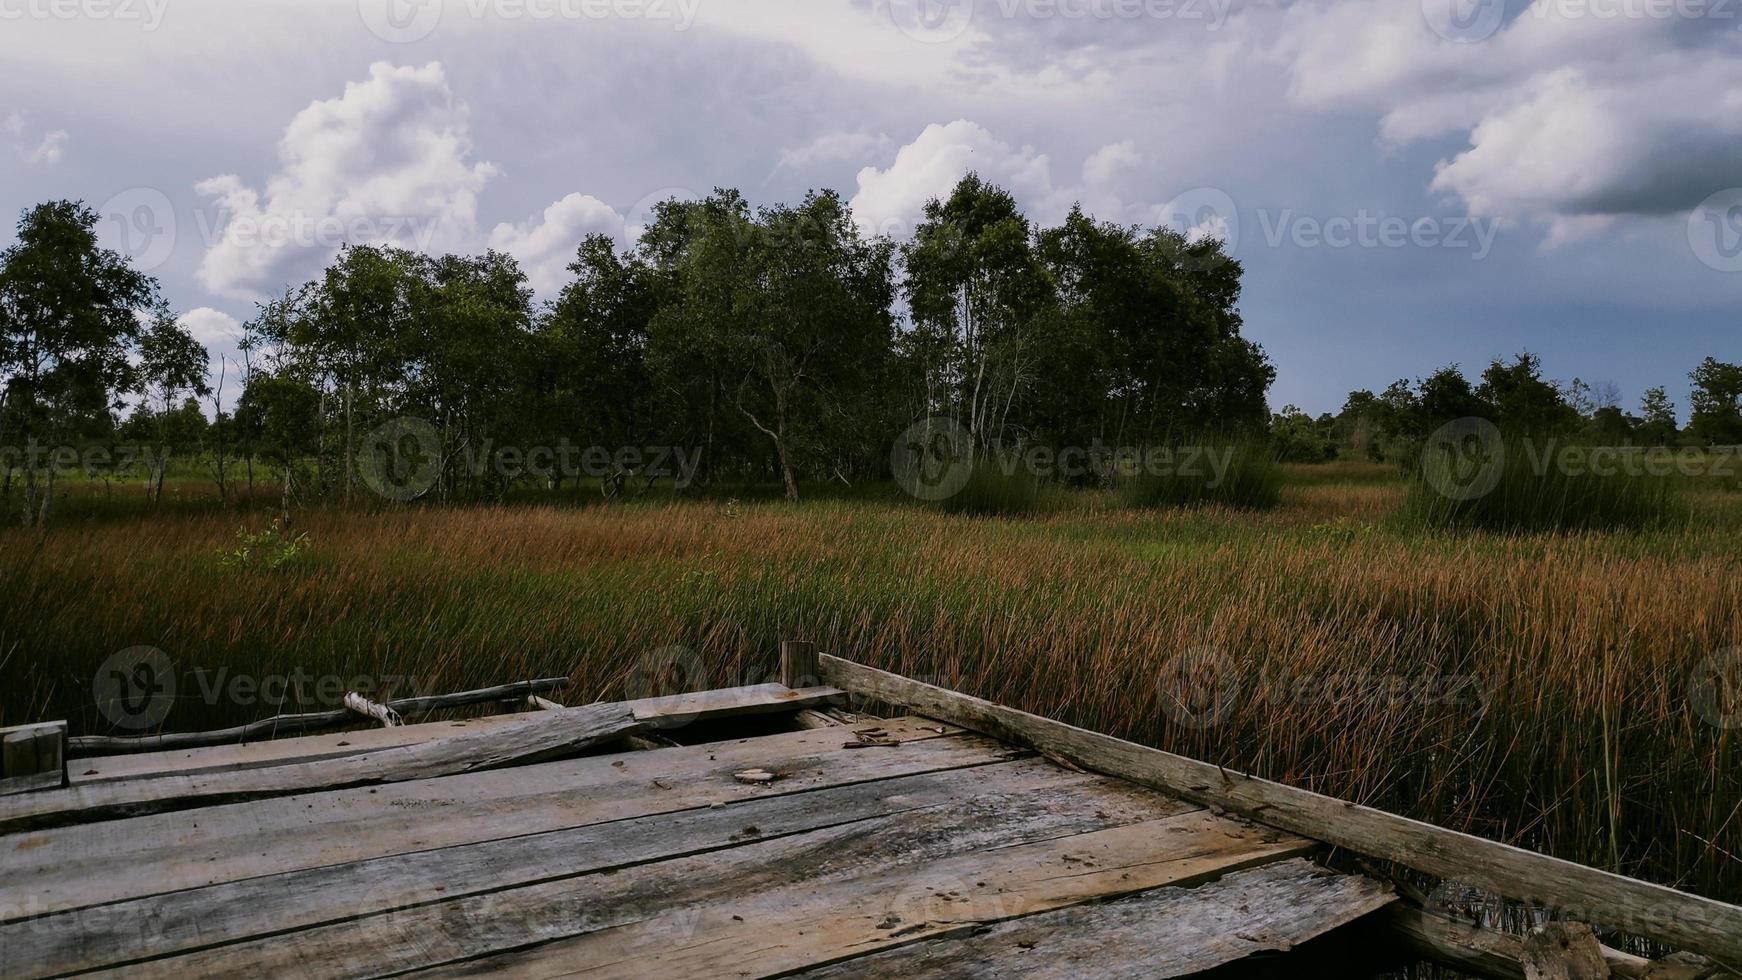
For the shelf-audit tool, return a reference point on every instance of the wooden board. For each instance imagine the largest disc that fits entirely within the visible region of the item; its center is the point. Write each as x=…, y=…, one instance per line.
x=991, y=831
x=1168, y=932
x=544, y=735
x=70, y=867
x=754, y=932
x=110, y=934
x=276, y=752
x=1609, y=901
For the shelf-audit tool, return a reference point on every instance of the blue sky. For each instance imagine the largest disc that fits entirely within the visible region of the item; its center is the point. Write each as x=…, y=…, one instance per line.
x=1408, y=182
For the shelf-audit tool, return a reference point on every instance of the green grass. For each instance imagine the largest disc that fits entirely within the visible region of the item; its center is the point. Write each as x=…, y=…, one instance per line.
x=1530, y=487
x=1244, y=475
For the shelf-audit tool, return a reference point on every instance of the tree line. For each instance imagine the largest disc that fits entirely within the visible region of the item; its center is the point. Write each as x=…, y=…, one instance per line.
x=780, y=341
x=1515, y=395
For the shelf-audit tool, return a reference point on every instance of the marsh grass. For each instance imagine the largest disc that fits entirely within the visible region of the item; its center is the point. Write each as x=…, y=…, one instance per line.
x=1341, y=632
x=1242, y=474
x=1532, y=491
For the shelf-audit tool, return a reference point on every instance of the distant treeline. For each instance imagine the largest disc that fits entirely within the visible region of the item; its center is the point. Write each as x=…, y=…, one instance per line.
x=780, y=342
x=1515, y=396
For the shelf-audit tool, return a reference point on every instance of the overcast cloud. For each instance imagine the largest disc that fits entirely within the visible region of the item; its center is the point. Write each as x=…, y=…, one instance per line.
x=234, y=147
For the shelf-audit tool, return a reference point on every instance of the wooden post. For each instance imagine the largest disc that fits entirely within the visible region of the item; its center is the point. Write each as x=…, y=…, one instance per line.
x=799, y=667
x=33, y=757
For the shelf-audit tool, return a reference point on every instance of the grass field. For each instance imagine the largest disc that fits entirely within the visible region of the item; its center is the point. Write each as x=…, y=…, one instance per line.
x=1533, y=688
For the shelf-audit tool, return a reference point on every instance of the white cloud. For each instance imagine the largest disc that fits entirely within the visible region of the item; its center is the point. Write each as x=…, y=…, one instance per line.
x=545, y=244
x=50, y=150
x=388, y=162
x=833, y=148
x=214, y=328
x=14, y=122
x=1573, y=121
x=892, y=200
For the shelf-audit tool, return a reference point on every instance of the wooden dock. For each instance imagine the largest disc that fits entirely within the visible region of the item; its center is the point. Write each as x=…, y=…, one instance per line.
x=947, y=837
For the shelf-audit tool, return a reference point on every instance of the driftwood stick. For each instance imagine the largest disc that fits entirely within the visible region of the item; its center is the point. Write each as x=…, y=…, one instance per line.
x=296, y=724
x=537, y=703
x=369, y=709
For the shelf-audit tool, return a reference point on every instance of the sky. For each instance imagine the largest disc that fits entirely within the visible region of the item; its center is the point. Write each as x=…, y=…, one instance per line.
x=1408, y=183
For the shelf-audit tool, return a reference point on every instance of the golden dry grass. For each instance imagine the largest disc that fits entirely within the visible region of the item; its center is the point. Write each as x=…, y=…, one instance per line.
x=1534, y=689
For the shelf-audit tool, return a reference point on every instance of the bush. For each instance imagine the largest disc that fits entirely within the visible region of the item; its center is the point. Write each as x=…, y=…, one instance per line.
x=1240, y=474
x=996, y=487
x=1527, y=488
x=266, y=551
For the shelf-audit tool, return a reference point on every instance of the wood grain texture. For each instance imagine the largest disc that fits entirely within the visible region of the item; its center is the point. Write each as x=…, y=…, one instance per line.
x=70, y=867
x=267, y=728
x=1607, y=900
x=1168, y=932
x=751, y=933
x=111, y=934
x=767, y=875
x=536, y=737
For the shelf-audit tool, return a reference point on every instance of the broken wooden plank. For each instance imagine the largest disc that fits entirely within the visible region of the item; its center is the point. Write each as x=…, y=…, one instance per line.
x=293, y=724
x=1611, y=901
x=1168, y=932
x=69, y=867
x=33, y=757
x=750, y=932
x=1034, y=835
x=1563, y=951
x=274, y=752
x=1482, y=952
x=536, y=737
x=110, y=935
x=678, y=710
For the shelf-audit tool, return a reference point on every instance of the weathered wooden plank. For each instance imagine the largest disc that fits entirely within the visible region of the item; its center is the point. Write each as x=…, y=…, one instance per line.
x=1563, y=951
x=994, y=835
x=540, y=736
x=32, y=757
x=660, y=712
x=1168, y=932
x=70, y=867
x=752, y=933
x=266, y=728
x=112, y=934
x=1606, y=900
x=1492, y=953
x=678, y=710
x=274, y=752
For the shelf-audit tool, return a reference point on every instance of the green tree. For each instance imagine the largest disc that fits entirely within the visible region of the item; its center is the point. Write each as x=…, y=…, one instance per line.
x=1717, y=403
x=1657, y=425
x=1521, y=401
x=172, y=366
x=68, y=321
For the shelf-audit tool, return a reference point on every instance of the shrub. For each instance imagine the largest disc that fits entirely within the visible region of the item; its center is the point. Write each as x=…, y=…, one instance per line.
x=997, y=486
x=1527, y=487
x=267, y=550
x=1238, y=474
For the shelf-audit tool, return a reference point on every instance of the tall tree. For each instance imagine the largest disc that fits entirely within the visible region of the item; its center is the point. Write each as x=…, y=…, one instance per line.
x=172, y=367
x=68, y=321
x=1657, y=418
x=1717, y=403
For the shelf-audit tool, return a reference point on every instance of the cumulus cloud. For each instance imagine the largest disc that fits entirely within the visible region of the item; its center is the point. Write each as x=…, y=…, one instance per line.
x=388, y=162
x=892, y=200
x=1573, y=120
x=545, y=244
x=214, y=328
